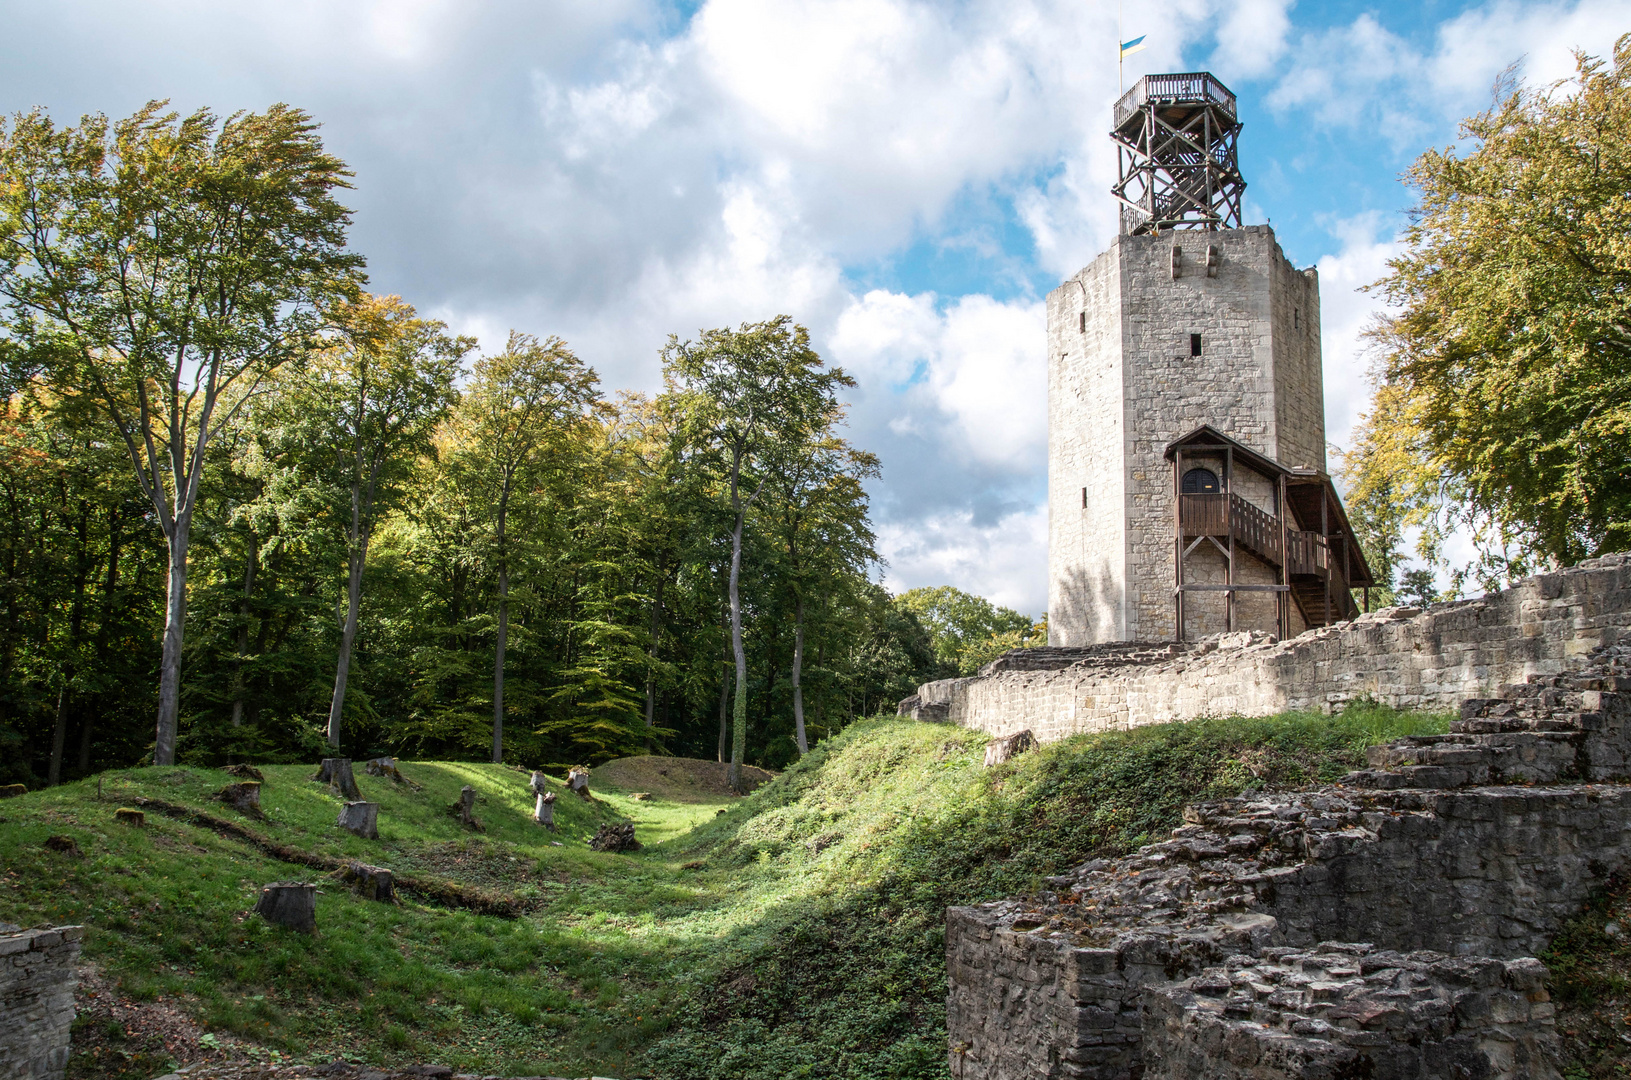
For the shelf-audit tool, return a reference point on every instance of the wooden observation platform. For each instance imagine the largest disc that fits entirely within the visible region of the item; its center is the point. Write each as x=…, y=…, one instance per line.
x=1176, y=152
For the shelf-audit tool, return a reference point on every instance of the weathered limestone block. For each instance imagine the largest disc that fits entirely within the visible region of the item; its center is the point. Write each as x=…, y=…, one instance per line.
x=360, y=818
x=37, y=979
x=289, y=903
x=336, y=773
x=1352, y=1010
x=1000, y=750
x=577, y=781
x=244, y=797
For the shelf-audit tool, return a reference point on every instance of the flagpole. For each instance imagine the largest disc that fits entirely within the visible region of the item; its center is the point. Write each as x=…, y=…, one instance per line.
x=1121, y=79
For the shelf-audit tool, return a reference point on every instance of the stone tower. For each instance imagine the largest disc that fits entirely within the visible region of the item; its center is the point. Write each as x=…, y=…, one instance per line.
x=1171, y=329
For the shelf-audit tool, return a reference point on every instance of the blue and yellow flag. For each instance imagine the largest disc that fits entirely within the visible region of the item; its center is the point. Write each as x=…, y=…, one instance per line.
x=1135, y=45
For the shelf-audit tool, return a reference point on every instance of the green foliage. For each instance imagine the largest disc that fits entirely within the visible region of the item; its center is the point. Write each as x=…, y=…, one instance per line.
x=798, y=933
x=970, y=631
x=1504, y=397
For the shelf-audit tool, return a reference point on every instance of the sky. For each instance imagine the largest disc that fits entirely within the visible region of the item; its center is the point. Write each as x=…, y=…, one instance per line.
x=906, y=179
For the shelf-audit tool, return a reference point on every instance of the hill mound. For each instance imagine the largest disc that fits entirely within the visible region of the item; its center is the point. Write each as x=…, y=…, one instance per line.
x=678, y=779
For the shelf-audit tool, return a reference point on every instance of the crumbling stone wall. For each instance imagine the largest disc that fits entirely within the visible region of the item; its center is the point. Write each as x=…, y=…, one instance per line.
x=1542, y=626
x=1173, y=962
x=37, y=980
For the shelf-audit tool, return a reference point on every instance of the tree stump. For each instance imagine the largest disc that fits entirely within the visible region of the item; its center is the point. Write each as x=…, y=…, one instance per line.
x=577, y=781
x=371, y=882
x=244, y=797
x=640, y=796
x=1000, y=750
x=615, y=838
x=11, y=791
x=289, y=903
x=243, y=772
x=336, y=773
x=465, y=809
x=67, y=845
x=361, y=818
x=130, y=817
x=386, y=766
x=544, y=812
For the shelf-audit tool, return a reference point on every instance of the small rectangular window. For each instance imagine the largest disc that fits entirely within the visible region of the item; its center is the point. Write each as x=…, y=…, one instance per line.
x=1296, y=318
x=1194, y=344
x=1081, y=322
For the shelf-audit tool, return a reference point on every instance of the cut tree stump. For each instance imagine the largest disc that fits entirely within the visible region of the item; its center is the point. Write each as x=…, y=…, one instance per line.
x=577, y=781
x=465, y=809
x=245, y=797
x=67, y=845
x=243, y=772
x=544, y=812
x=11, y=791
x=615, y=838
x=361, y=818
x=371, y=882
x=640, y=796
x=289, y=903
x=130, y=817
x=386, y=766
x=336, y=773
x=1000, y=750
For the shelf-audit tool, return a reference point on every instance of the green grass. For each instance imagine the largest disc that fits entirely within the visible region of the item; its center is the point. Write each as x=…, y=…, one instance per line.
x=798, y=934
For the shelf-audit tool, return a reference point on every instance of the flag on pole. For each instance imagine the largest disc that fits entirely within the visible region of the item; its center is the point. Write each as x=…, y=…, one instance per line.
x=1135, y=45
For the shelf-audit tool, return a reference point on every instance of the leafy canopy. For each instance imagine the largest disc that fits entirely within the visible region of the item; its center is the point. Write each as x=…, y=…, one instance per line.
x=1504, y=388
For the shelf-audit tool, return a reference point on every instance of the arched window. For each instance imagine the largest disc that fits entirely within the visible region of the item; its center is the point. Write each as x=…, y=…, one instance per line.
x=1200, y=482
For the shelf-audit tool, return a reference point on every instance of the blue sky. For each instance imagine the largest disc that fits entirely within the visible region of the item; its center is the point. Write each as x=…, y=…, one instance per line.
x=907, y=179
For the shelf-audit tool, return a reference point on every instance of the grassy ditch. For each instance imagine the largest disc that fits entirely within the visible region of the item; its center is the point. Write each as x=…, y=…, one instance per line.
x=798, y=933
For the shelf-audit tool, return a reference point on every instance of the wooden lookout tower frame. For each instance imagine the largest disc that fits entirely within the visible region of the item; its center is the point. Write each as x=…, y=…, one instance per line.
x=1307, y=539
x=1177, y=161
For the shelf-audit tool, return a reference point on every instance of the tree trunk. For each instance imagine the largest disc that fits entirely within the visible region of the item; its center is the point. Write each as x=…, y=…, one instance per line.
x=175, y=620
x=465, y=809
x=577, y=782
x=724, y=704
x=252, y=562
x=503, y=626
x=544, y=812
x=651, y=667
x=739, y=733
x=109, y=584
x=360, y=818
x=798, y=669
x=289, y=903
x=336, y=773
x=59, y=736
x=347, y=636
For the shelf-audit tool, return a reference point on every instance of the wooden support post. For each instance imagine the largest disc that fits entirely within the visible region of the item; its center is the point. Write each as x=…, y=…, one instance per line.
x=1283, y=601
x=1178, y=542
x=1325, y=538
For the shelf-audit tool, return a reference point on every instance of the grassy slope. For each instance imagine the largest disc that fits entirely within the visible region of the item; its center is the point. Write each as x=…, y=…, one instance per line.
x=799, y=933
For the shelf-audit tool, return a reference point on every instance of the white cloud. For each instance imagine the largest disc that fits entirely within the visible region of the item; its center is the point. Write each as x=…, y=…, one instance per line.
x=1005, y=561
x=1345, y=313
x=1252, y=36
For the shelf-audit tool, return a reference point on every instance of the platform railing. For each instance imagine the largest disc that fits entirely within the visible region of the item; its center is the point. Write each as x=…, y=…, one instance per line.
x=1198, y=87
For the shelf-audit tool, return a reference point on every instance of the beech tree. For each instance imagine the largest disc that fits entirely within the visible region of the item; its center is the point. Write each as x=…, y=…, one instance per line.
x=166, y=265
x=1503, y=402
x=751, y=395
x=513, y=426
x=367, y=406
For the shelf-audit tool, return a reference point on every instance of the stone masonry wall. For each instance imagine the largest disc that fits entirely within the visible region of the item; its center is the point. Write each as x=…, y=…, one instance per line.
x=1122, y=384
x=1401, y=656
x=37, y=979
x=1384, y=927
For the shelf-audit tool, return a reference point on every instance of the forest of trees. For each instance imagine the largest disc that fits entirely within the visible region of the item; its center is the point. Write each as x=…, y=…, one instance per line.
x=280, y=514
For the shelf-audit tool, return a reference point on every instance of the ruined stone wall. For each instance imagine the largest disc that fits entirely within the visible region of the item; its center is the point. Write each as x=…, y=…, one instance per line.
x=37, y=979
x=1406, y=658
